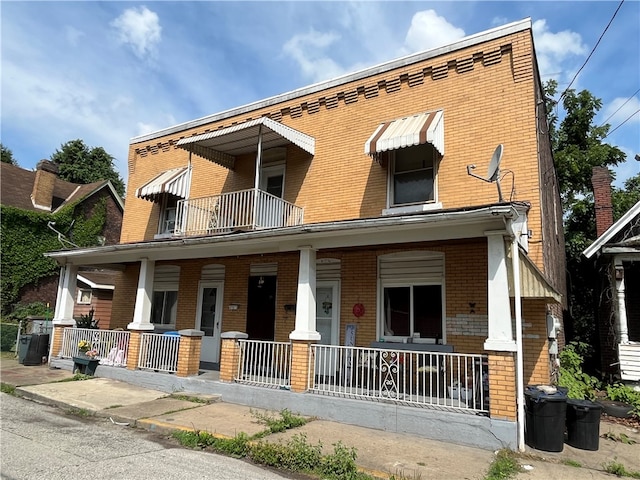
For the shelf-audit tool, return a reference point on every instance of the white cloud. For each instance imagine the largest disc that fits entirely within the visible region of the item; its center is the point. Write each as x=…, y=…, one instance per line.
x=429, y=30
x=308, y=51
x=139, y=28
x=73, y=35
x=552, y=49
x=621, y=109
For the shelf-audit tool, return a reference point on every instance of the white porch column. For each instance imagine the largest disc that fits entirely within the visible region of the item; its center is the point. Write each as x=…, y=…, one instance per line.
x=63, y=314
x=621, y=310
x=142, y=310
x=306, y=301
x=500, y=336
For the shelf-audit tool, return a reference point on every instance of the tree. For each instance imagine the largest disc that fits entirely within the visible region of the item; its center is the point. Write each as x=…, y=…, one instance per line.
x=78, y=163
x=7, y=155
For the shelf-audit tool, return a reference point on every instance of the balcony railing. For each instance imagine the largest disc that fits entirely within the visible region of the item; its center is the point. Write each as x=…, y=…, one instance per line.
x=244, y=210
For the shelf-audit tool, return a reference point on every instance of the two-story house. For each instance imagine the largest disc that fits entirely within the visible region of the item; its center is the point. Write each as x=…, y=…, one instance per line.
x=356, y=212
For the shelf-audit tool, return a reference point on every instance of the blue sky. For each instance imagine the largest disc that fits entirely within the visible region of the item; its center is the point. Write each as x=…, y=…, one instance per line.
x=108, y=71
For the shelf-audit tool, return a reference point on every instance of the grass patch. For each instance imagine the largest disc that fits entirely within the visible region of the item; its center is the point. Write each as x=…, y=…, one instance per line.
x=79, y=412
x=6, y=388
x=504, y=466
x=572, y=463
x=78, y=377
x=285, y=421
x=616, y=468
x=189, y=398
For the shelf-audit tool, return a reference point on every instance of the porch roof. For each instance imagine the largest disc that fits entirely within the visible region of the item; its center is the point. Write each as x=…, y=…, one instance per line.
x=174, y=181
x=222, y=146
x=418, y=129
x=533, y=283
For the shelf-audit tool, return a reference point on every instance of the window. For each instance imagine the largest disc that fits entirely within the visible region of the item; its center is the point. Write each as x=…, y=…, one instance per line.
x=164, y=307
x=413, y=173
x=413, y=309
x=84, y=296
x=168, y=215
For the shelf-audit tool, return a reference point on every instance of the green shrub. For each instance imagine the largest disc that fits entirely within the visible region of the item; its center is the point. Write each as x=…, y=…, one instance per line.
x=580, y=385
x=296, y=455
x=8, y=336
x=341, y=464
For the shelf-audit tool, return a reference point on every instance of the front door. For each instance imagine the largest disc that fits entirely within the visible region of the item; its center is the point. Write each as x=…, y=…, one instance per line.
x=208, y=320
x=261, y=308
x=327, y=325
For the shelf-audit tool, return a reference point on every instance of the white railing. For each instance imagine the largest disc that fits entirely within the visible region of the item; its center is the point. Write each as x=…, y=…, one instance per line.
x=446, y=381
x=264, y=363
x=112, y=345
x=233, y=211
x=159, y=352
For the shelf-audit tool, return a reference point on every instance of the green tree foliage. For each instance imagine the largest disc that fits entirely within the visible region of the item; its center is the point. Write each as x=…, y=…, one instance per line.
x=78, y=163
x=7, y=155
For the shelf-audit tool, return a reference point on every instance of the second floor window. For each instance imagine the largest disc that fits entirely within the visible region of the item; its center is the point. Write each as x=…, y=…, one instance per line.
x=413, y=173
x=168, y=215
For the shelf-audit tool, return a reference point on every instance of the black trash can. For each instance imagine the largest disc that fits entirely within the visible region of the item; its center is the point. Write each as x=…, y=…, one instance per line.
x=23, y=348
x=545, y=418
x=38, y=349
x=583, y=424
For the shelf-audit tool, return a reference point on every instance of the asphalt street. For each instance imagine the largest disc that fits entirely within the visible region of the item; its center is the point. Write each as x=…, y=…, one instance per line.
x=41, y=442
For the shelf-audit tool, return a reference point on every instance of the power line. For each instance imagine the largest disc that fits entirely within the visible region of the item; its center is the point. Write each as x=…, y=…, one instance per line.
x=625, y=121
x=634, y=94
x=593, y=50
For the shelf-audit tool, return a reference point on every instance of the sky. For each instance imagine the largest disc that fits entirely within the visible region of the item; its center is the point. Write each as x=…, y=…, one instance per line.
x=106, y=72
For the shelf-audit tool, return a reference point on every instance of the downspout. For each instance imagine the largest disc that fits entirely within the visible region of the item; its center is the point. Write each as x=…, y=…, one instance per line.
x=515, y=263
x=256, y=185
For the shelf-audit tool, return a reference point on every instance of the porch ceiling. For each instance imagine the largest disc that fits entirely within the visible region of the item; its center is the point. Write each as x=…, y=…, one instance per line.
x=431, y=226
x=224, y=145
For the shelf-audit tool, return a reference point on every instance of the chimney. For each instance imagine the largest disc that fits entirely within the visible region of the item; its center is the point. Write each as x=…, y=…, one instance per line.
x=601, y=181
x=42, y=194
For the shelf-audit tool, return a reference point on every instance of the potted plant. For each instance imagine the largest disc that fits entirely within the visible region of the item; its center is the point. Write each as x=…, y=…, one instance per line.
x=87, y=360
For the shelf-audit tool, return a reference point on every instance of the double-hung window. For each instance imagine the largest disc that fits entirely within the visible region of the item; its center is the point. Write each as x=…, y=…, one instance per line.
x=164, y=303
x=412, y=175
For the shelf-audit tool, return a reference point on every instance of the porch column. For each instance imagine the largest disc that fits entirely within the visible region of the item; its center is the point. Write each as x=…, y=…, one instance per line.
x=189, y=352
x=230, y=355
x=301, y=367
x=500, y=337
x=133, y=350
x=621, y=309
x=63, y=313
x=305, y=328
x=142, y=310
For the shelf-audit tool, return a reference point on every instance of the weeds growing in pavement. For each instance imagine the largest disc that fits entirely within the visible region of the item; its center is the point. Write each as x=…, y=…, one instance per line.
x=572, y=463
x=618, y=469
x=6, y=388
x=504, y=466
x=76, y=378
x=286, y=421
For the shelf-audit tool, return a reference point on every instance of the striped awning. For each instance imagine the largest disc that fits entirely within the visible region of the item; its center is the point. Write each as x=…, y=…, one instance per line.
x=409, y=131
x=174, y=182
x=222, y=146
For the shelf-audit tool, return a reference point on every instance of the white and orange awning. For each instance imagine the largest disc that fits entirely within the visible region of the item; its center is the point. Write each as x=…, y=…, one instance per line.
x=418, y=129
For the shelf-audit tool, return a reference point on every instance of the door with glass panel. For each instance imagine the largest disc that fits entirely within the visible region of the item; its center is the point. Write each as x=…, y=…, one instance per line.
x=270, y=207
x=208, y=320
x=327, y=325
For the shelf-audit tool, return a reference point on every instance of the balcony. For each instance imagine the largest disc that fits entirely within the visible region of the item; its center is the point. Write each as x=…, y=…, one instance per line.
x=251, y=209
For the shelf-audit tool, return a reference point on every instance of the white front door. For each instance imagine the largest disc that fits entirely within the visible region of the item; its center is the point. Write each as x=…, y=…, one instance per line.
x=208, y=320
x=327, y=324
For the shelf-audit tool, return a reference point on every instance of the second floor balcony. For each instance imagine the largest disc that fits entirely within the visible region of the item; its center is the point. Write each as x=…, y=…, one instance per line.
x=250, y=209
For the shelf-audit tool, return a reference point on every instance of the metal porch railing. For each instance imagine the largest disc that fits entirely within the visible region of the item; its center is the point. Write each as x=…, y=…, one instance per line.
x=446, y=381
x=250, y=209
x=159, y=352
x=264, y=363
x=111, y=345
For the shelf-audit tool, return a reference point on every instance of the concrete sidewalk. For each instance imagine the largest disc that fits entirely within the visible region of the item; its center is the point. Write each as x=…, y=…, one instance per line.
x=380, y=453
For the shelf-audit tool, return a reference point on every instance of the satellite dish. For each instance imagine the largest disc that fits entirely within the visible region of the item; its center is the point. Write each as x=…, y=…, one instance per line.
x=493, y=172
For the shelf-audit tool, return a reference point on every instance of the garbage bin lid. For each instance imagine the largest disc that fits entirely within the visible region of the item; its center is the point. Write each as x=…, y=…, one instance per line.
x=580, y=404
x=547, y=392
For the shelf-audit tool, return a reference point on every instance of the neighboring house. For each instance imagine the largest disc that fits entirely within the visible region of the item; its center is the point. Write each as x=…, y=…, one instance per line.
x=95, y=292
x=616, y=255
x=349, y=213
x=43, y=191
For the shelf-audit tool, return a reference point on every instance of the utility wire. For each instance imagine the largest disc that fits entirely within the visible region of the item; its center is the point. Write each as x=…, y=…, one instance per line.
x=625, y=121
x=634, y=94
x=593, y=50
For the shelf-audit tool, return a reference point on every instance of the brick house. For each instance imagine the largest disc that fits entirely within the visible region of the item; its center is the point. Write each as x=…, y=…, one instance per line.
x=616, y=257
x=43, y=191
x=350, y=213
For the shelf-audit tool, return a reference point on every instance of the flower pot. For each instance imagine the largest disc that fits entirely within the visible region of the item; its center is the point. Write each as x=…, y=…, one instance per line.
x=85, y=365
